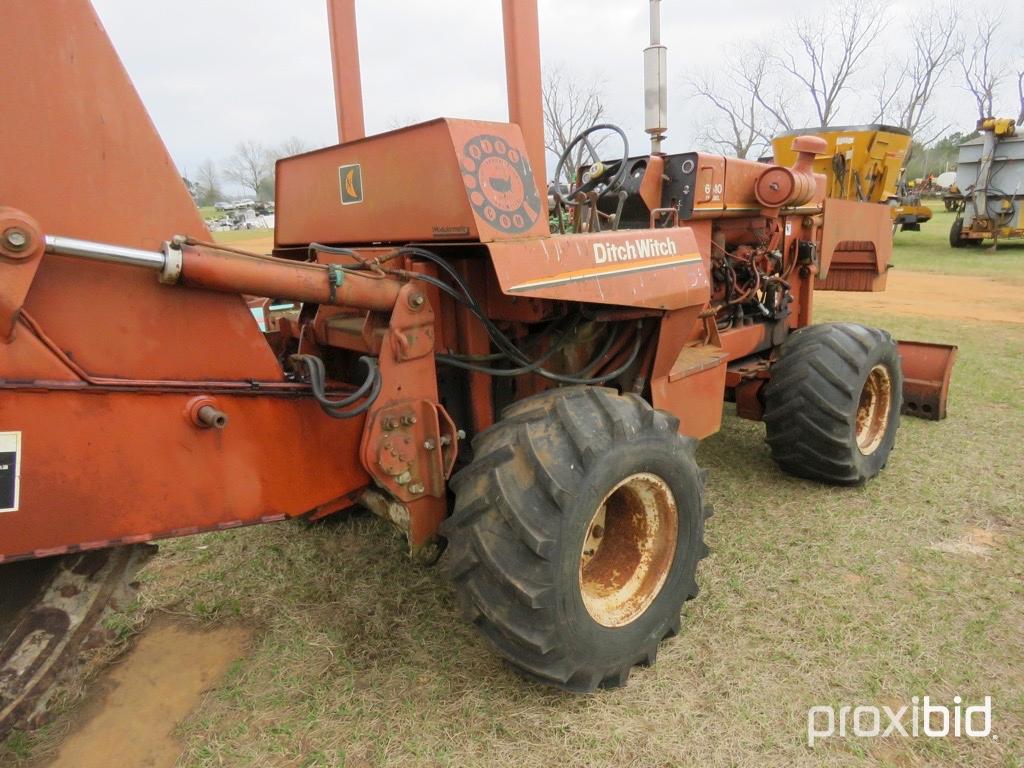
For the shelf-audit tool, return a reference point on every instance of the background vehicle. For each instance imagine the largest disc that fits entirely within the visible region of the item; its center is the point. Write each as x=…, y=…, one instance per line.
x=990, y=170
x=865, y=163
x=443, y=328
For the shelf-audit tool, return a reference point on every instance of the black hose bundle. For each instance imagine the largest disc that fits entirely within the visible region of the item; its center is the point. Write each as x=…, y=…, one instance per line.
x=317, y=375
x=580, y=377
x=508, y=349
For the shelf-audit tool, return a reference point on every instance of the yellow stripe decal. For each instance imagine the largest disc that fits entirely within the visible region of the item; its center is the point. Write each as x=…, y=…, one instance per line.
x=612, y=270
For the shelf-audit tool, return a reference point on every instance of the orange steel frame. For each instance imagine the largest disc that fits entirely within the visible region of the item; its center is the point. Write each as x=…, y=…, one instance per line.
x=103, y=370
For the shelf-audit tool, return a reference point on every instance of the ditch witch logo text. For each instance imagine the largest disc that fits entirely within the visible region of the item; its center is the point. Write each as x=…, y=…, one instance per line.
x=632, y=250
x=919, y=718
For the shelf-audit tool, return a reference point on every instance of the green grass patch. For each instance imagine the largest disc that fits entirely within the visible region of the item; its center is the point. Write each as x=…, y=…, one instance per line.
x=929, y=251
x=239, y=235
x=813, y=595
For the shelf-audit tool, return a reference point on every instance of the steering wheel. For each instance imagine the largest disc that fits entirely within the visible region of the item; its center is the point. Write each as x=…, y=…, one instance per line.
x=599, y=176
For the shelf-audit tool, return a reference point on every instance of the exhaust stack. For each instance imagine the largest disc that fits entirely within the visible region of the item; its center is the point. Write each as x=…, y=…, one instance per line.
x=656, y=83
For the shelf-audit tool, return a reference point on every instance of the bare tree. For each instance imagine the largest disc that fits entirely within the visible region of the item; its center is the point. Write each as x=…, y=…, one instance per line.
x=891, y=83
x=192, y=187
x=828, y=50
x=937, y=44
x=569, y=109
x=250, y=167
x=1020, y=96
x=293, y=146
x=982, y=72
x=772, y=94
x=208, y=179
x=906, y=99
x=288, y=148
x=396, y=121
x=747, y=113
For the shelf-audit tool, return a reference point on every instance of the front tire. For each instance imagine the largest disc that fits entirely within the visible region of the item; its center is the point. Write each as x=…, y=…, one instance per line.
x=576, y=535
x=956, y=239
x=832, y=405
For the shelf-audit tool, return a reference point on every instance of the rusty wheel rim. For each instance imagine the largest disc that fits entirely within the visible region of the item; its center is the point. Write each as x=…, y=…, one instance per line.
x=628, y=550
x=874, y=410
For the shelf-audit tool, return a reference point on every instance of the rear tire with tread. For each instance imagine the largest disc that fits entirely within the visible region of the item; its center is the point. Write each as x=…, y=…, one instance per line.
x=812, y=400
x=523, y=510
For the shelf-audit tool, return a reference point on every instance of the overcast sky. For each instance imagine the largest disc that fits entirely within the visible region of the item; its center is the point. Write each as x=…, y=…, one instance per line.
x=212, y=72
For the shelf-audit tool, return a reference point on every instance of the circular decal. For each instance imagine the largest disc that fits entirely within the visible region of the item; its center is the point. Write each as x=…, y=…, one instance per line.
x=501, y=185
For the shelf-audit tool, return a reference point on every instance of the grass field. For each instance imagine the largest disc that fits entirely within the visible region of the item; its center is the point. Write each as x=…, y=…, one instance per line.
x=910, y=585
x=244, y=235
x=929, y=251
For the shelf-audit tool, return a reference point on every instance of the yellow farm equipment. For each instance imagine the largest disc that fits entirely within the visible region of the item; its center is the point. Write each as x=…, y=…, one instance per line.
x=864, y=163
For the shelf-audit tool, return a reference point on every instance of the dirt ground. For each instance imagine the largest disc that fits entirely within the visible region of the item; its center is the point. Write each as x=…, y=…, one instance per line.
x=130, y=717
x=925, y=294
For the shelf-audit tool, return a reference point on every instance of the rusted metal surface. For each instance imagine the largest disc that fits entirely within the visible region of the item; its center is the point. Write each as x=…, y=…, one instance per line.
x=726, y=187
x=650, y=187
x=780, y=186
x=523, y=79
x=675, y=329
x=53, y=610
x=874, y=410
x=410, y=443
x=348, y=87
x=159, y=474
x=856, y=246
x=471, y=336
x=749, y=400
x=21, y=248
x=628, y=549
x=926, y=372
x=658, y=269
x=407, y=364
x=471, y=180
x=217, y=270
x=412, y=446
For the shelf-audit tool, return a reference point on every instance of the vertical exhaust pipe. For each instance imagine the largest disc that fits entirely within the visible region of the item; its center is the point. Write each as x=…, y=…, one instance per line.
x=656, y=83
x=348, y=89
x=522, y=73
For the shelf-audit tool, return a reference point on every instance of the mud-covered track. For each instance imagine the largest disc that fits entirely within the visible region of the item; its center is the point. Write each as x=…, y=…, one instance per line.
x=50, y=611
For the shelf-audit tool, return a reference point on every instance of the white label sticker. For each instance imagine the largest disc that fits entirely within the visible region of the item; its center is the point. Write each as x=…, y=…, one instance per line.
x=789, y=228
x=10, y=470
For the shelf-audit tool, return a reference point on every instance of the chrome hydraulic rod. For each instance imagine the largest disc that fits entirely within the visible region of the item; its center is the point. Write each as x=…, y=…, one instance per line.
x=114, y=254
